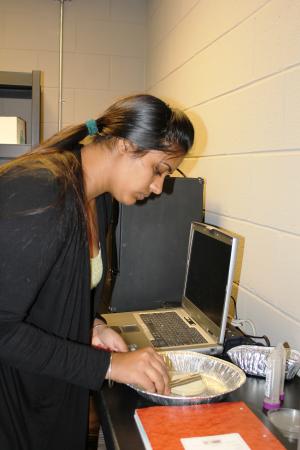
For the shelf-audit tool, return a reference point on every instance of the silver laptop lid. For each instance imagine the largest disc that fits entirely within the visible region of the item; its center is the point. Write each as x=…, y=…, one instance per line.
x=209, y=276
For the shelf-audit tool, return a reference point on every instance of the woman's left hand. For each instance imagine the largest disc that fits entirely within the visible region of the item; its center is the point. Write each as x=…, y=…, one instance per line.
x=107, y=339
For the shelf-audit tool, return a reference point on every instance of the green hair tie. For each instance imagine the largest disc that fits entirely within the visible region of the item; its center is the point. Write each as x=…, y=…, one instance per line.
x=92, y=127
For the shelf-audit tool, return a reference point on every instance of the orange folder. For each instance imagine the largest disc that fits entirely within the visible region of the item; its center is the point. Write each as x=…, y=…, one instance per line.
x=162, y=427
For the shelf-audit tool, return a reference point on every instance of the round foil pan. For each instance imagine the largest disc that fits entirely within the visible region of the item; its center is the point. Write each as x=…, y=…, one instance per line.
x=218, y=378
x=252, y=359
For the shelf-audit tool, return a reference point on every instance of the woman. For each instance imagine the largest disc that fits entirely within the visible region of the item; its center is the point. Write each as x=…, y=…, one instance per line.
x=54, y=211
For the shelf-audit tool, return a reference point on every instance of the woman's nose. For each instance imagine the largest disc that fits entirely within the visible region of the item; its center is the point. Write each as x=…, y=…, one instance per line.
x=157, y=185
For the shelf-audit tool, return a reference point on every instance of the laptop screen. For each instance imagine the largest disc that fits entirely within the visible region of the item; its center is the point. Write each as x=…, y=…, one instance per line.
x=208, y=272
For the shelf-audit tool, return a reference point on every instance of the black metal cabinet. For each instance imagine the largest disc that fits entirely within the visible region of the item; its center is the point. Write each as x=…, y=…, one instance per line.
x=151, y=246
x=20, y=95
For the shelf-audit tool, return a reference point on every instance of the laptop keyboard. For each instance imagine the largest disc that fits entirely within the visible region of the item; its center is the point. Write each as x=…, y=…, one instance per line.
x=168, y=330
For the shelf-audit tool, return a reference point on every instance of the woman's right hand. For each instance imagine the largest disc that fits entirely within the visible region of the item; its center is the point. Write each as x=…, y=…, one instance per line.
x=143, y=367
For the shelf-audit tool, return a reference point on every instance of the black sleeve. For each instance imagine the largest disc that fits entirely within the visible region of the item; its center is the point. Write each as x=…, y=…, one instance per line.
x=98, y=316
x=32, y=230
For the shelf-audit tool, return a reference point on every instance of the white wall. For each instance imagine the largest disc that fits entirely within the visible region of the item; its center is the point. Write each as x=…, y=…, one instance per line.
x=234, y=66
x=104, y=52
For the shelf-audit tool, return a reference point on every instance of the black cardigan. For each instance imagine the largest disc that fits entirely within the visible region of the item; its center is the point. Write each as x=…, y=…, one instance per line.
x=46, y=363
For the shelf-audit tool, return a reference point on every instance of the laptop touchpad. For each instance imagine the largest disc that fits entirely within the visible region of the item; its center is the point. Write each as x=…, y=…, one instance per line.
x=129, y=328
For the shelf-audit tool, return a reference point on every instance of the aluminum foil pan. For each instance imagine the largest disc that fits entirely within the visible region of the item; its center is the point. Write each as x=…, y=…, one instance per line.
x=252, y=359
x=218, y=378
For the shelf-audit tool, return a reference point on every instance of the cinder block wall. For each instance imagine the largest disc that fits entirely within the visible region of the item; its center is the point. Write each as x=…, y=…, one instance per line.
x=104, y=52
x=234, y=67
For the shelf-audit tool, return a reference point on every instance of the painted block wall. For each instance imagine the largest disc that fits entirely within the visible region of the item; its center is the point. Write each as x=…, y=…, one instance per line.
x=234, y=67
x=103, y=58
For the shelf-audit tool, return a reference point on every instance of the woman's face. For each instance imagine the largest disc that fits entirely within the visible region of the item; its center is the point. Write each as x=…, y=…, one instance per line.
x=135, y=178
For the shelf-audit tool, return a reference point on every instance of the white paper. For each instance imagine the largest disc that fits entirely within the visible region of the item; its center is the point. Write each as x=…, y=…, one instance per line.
x=232, y=441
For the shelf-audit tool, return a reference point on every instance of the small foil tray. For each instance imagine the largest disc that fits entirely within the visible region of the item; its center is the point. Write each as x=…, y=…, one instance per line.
x=218, y=378
x=252, y=359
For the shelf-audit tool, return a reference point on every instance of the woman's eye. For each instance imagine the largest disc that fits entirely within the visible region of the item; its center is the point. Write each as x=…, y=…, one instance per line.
x=157, y=172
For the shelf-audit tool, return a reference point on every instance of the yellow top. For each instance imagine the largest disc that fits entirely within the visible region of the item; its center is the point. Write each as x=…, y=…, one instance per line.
x=96, y=269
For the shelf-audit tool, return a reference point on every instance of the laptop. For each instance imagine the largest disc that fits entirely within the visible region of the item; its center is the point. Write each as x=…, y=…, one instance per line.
x=199, y=323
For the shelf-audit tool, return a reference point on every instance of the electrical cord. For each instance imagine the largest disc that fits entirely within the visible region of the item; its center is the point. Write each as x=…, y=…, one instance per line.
x=235, y=308
x=181, y=173
x=240, y=322
x=264, y=337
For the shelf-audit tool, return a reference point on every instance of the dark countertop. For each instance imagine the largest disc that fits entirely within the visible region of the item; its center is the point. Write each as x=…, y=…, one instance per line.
x=117, y=405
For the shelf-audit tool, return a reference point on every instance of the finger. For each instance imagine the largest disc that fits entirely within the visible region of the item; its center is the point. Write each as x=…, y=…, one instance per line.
x=160, y=359
x=160, y=365
x=163, y=374
x=156, y=370
x=149, y=381
x=157, y=378
x=146, y=383
x=120, y=345
x=115, y=341
x=151, y=357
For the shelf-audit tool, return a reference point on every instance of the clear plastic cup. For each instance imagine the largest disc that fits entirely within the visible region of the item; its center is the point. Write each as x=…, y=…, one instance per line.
x=287, y=420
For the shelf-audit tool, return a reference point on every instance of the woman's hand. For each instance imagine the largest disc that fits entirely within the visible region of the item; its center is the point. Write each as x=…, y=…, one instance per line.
x=143, y=367
x=107, y=339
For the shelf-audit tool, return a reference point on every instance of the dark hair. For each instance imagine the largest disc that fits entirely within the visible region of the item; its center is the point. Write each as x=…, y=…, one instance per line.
x=145, y=120
x=149, y=123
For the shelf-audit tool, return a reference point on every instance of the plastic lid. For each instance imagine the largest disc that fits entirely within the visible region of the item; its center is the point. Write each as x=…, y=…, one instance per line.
x=287, y=421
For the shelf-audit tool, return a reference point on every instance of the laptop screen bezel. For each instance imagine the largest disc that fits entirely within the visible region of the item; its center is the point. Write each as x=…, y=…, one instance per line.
x=215, y=330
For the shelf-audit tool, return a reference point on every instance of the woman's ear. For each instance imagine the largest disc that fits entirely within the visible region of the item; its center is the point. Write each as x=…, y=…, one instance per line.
x=124, y=146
